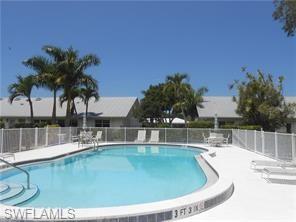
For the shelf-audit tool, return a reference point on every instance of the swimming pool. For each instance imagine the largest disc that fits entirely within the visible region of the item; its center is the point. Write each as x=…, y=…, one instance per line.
x=118, y=175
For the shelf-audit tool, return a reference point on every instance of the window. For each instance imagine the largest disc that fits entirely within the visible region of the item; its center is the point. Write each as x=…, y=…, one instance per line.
x=102, y=123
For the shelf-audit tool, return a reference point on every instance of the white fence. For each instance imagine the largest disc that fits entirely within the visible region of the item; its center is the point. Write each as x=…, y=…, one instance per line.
x=276, y=145
x=16, y=140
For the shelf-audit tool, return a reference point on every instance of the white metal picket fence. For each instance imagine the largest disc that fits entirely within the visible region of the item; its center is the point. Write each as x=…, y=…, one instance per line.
x=22, y=139
x=17, y=140
x=280, y=146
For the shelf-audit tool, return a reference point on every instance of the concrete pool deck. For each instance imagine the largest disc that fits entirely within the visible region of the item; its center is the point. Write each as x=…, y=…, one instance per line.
x=253, y=199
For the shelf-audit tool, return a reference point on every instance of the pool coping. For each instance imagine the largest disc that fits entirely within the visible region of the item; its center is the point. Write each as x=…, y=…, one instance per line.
x=191, y=204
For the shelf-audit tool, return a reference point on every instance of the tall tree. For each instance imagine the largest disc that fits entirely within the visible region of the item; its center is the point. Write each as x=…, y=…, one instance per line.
x=285, y=12
x=48, y=76
x=186, y=98
x=194, y=99
x=23, y=87
x=260, y=100
x=72, y=69
x=155, y=106
x=88, y=92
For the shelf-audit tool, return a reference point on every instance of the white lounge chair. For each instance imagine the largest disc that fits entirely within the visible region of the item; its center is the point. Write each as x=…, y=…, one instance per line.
x=154, y=138
x=98, y=137
x=141, y=136
x=260, y=164
x=280, y=173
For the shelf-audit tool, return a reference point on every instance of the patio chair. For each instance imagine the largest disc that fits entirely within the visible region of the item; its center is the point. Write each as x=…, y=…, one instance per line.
x=141, y=136
x=279, y=173
x=259, y=164
x=154, y=138
x=226, y=139
x=216, y=139
x=205, y=139
x=98, y=137
x=85, y=137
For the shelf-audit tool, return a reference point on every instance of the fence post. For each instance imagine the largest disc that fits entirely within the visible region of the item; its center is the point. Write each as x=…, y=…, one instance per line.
x=293, y=147
x=106, y=135
x=21, y=137
x=36, y=136
x=276, y=145
x=125, y=134
x=46, y=136
x=255, y=141
x=2, y=137
x=165, y=135
x=262, y=141
x=70, y=134
x=59, y=135
x=246, y=139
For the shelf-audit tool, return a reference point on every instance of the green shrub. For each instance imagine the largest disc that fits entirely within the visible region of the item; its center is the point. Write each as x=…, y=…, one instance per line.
x=2, y=125
x=24, y=125
x=201, y=124
x=52, y=125
x=246, y=127
x=163, y=125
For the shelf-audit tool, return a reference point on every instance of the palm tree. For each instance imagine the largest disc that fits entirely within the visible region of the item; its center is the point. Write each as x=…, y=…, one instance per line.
x=186, y=98
x=23, y=87
x=72, y=69
x=48, y=76
x=180, y=90
x=75, y=92
x=193, y=100
x=86, y=94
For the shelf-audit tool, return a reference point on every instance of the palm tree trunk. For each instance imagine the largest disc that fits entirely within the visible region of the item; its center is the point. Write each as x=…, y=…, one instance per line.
x=68, y=110
x=31, y=111
x=54, y=109
x=86, y=108
x=185, y=119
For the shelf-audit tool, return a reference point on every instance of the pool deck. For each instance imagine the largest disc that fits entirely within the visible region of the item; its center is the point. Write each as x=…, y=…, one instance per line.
x=254, y=199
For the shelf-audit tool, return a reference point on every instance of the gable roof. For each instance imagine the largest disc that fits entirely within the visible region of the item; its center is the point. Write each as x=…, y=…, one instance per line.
x=224, y=106
x=105, y=107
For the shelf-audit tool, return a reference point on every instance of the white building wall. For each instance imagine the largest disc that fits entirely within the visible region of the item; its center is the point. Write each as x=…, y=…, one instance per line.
x=117, y=122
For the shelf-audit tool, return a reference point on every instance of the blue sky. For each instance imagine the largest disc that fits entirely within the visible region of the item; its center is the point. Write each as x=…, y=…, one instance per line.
x=139, y=43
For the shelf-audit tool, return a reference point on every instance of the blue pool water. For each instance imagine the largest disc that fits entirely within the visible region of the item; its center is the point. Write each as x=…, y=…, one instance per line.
x=118, y=175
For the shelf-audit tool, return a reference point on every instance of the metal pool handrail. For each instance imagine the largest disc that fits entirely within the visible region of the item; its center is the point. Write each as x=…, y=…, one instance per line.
x=18, y=168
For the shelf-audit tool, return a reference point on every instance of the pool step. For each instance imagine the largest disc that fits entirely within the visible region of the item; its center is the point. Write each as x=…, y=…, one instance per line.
x=3, y=188
x=18, y=194
x=14, y=190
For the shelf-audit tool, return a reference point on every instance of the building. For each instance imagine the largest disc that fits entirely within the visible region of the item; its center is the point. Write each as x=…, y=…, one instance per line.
x=107, y=112
x=225, y=107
